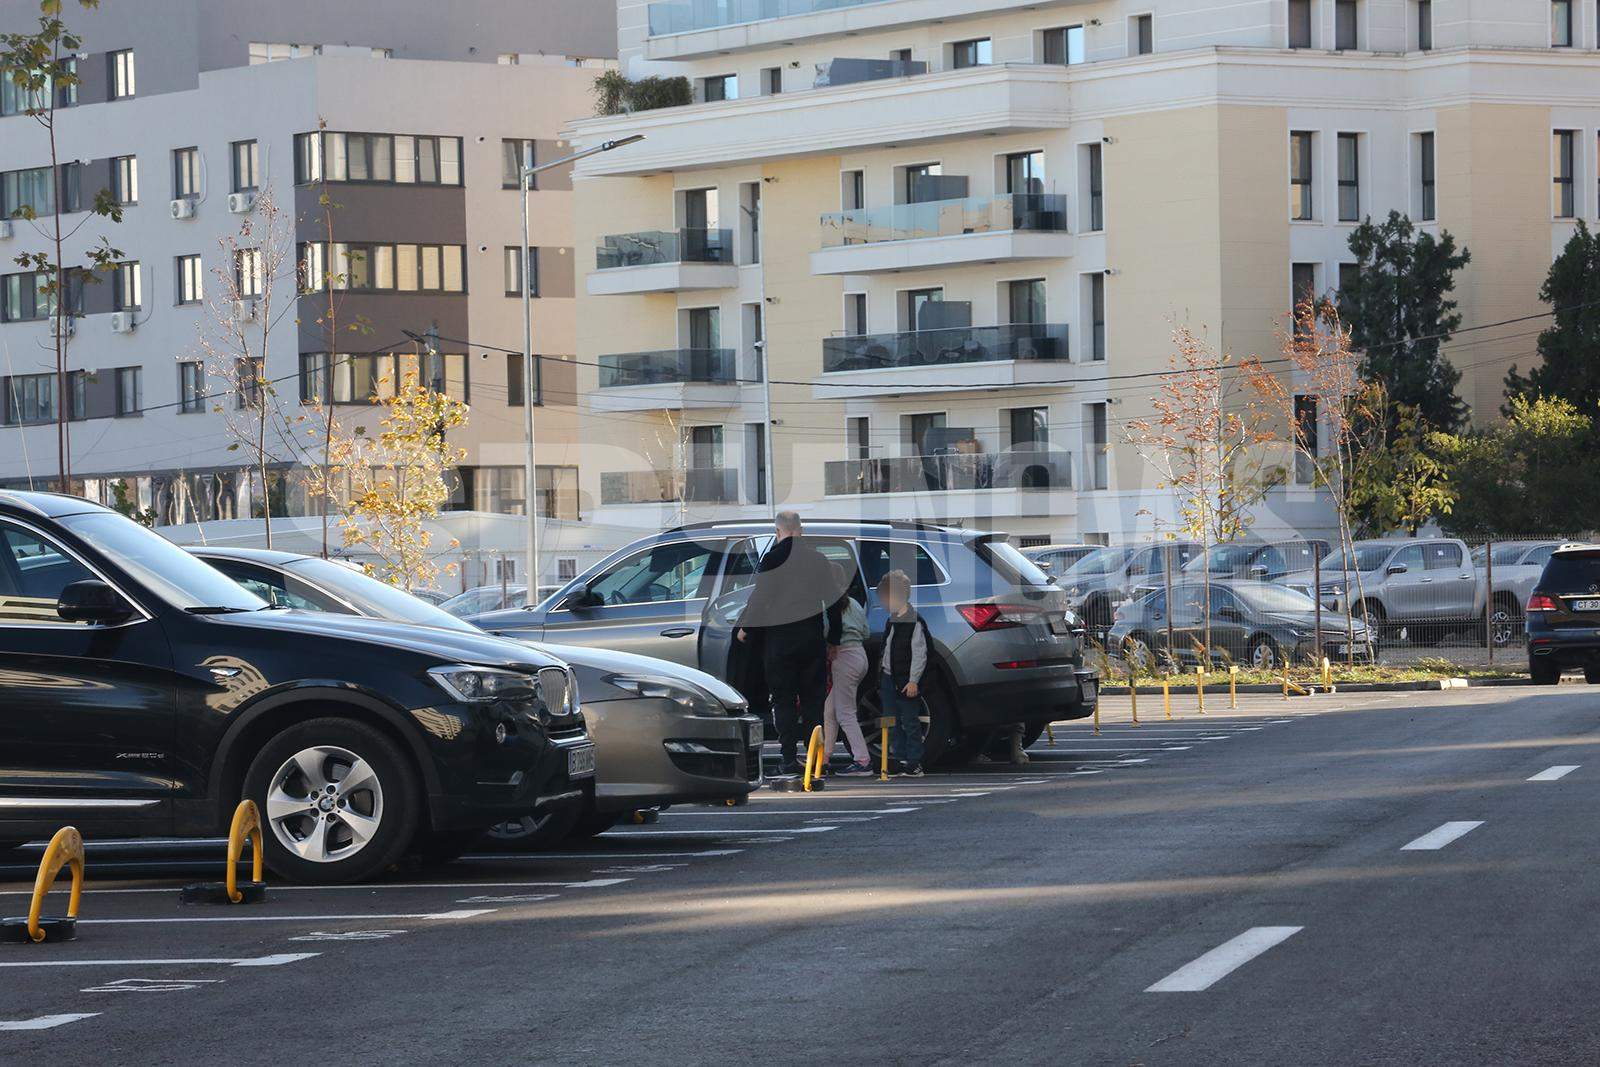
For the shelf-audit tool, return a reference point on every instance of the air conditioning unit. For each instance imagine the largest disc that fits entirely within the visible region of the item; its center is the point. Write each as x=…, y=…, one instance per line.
x=5, y=229
x=122, y=322
x=241, y=203
x=244, y=310
x=63, y=327
x=183, y=208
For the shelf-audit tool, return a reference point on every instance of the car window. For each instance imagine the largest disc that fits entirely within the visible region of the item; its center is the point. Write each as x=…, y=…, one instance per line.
x=1442, y=556
x=1190, y=600
x=1573, y=572
x=744, y=558
x=32, y=574
x=841, y=553
x=1539, y=556
x=1143, y=563
x=1156, y=603
x=1410, y=557
x=1271, y=560
x=880, y=557
x=659, y=574
x=276, y=587
x=159, y=565
x=1300, y=556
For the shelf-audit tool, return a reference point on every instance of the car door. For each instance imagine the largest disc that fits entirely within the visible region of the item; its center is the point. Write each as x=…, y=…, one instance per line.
x=1453, y=580
x=743, y=559
x=1407, y=591
x=651, y=602
x=1188, y=622
x=87, y=711
x=1230, y=626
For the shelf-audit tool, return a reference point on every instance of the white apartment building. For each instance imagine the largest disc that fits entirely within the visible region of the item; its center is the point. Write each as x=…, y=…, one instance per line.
x=955, y=236
x=189, y=113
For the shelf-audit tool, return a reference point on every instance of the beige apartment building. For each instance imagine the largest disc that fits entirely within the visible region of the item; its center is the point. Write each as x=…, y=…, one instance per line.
x=939, y=246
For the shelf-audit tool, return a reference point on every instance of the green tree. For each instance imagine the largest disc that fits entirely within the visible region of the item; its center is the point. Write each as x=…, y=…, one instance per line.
x=1533, y=472
x=1569, y=349
x=1399, y=313
x=1402, y=481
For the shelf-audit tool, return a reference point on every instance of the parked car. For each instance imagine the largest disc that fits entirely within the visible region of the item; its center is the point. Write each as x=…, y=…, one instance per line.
x=664, y=733
x=146, y=693
x=1564, y=616
x=484, y=598
x=1055, y=560
x=1260, y=561
x=1418, y=589
x=1517, y=567
x=1252, y=623
x=1100, y=581
x=1006, y=647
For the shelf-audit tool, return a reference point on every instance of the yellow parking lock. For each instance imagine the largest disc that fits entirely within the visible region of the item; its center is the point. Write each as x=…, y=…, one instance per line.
x=1166, y=696
x=246, y=824
x=1233, y=687
x=1200, y=687
x=65, y=850
x=813, y=758
x=883, y=757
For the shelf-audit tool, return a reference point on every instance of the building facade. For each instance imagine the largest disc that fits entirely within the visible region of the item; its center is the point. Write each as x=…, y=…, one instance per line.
x=387, y=149
x=948, y=242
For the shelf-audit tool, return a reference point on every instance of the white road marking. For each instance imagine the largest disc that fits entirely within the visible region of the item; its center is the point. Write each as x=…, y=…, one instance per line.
x=467, y=913
x=1555, y=773
x=524, y=898
x=905, y=796
x=592, y=883
x=276, y=960
x=731, y=832
x=800, y=811
x=601, y=855
x=1203, y=973
x=47, y=1022
x=152, y=985
x=1437, y=839
x=1117, y=748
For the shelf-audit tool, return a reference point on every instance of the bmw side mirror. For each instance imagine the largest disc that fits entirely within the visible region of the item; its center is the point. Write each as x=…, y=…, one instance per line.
x=93, y=601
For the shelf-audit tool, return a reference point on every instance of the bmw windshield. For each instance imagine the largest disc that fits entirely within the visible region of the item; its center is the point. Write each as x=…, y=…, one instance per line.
x=161, y=566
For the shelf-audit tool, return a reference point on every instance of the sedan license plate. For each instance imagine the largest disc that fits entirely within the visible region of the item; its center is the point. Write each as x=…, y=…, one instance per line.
x=1586, y=605
x=1058, y=625
x=580, y=762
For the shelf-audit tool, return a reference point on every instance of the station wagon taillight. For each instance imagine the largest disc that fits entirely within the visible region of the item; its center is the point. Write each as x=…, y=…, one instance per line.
x=1542, y=602
x=984, y=617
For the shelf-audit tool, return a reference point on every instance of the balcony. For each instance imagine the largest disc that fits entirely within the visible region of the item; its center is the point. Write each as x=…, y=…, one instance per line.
x=1016, y=482
x=954, y=359
x=937, y=233
x=948, y=105
x=663, y=261
x=674, y=378
x=687, y=29
x=697, y=485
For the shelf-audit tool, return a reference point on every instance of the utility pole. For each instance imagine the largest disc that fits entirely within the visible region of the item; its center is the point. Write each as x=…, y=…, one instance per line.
x=530, y=370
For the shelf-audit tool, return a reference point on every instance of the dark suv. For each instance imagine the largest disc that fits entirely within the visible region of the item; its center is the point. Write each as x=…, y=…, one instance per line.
x=144, y=693
x=1007, y=649
x=1564, y=616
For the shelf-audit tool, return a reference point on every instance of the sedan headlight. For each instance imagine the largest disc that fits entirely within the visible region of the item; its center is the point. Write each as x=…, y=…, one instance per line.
x=689, y=697
x=483, y=685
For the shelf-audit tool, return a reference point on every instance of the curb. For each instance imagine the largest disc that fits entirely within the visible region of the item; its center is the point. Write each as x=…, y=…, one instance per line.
x=1431, y=685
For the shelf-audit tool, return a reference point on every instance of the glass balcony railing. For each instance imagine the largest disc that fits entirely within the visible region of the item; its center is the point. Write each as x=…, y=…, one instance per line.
x=1030, y=467
x=674, y=366
x=697, y=485
x=684, y=16
x=1038, y=212
x=931, y=348
x=664, y=246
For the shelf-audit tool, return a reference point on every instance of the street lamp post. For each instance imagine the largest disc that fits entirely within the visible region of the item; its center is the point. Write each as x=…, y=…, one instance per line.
x=530, y=489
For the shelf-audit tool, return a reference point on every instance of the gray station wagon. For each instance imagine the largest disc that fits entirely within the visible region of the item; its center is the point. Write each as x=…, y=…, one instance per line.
x=1007, y=647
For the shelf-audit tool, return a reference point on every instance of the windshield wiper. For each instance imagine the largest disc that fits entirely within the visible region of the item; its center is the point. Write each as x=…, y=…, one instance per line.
x=216, y=609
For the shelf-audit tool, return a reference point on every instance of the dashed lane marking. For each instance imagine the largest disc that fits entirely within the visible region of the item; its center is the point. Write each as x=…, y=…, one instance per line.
x=1555, y=774
x=466, y=913
x=1434, y=840
x=1203, y=973
x=46, y=1022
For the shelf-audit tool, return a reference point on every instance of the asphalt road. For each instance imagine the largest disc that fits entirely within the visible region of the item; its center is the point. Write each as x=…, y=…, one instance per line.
x=1237, y=889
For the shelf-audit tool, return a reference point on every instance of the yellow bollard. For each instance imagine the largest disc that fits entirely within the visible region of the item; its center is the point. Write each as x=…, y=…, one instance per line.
x=883, y=765
x=1286, y=681
x=1200, y=687
x=1050, y=733
x=246, y=822
x=1233, y=687
x=813, y=757
x=1166, y=696
x=1097, y=718
x=1133, y=699
x=1327, y=674
x=65, y=850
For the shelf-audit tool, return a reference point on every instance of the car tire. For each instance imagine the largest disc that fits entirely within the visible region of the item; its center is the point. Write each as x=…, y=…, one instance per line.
x=1543, y=673
x=1265, y=654
x=944, y=744
x=1592, y=675
x=315, y=759
x=532, y=832
x=1505, y=618
x=592, y=824
x=1138, y=652
x=1375, y=619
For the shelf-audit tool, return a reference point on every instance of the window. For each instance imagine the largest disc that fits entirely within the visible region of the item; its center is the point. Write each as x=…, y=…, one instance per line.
x=30, y=398
x=185, y=173
x=1099, y=447
x=444, y=373
x=130, y=391
x=515, y=392
x=662, y=574
x=125, y=180
x=771, y=81
x=855, y=314
x=1030, y=427
x=514, y=153
x=1299, y=23
x=918, y=306
x=1063, y=46
x=1142, y=33
x=191, y=388
x=1349, y=177
x=1344, y=25
x=513, y=270
x=122, y=80
x=127, y=294
x=1025, y=173
x=384, y=268
x=249, y=272
x=365, y=378
x=1097, y=210
x=880, y=557
x=1097, y=316
x=1301, y=199
x=273, y=53
x=719, y=87
x=1302, y=287
x=401, y=159
x=1561, y=23
x=246, y=156
x=1349, y=277
x=1424, y=25
x=28, y=192
x=1025, y=301
x=915, y=431
x=852, y=190
x=750, y=220
x=249, y=382
x=71, y=187
x=1563, y=167
x=1427, y=207
x=975, y=53
x=33, y=574
x=1306, y=428
x=25, y=297
x=190, y=275
x=858, y=435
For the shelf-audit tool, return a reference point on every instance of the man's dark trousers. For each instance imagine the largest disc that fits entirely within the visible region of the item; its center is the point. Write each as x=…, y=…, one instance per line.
x=796, y=660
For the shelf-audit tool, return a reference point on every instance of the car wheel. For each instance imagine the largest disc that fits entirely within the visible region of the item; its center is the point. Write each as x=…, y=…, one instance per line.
x=1544, y=673
x=535, y=831
x=1504, y=622
x=1264, y=654
x=943, y=742
x=339, y=800
x=1592, y=675
x=1136, y=653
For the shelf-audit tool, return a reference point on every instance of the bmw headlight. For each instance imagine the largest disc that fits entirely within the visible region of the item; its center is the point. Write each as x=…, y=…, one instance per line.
x=483, y=685
x=687, y=696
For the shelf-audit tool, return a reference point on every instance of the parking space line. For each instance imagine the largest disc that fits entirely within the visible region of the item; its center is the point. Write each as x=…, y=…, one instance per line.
x=790, y=811
x=1201, y=974
x=615, y=834
x=1555, y=774
x=1437, y=839
x=592, y=883
x=47, y=1022
x=467, y=913
x=600, y=855
x=276, y=960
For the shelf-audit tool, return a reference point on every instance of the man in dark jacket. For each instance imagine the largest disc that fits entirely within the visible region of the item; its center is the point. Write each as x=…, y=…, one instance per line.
x=795, y=608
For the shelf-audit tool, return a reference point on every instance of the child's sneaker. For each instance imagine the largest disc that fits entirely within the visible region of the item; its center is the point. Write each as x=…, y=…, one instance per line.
x=912, y=770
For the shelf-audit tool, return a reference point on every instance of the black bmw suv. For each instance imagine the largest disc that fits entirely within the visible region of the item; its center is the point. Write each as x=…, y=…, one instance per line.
x=144, y=693
x=1563, y=614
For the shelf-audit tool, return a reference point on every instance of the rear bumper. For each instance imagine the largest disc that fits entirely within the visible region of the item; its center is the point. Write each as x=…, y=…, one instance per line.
x=1047, y=695
x=1582, y=649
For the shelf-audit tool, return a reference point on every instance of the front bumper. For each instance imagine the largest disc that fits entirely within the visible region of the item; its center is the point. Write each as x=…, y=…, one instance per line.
x=1046, y=694
x=484, y=779
x=654, y=753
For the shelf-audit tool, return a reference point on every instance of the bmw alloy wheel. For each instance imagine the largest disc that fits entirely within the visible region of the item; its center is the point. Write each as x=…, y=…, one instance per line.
x=324, y=804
